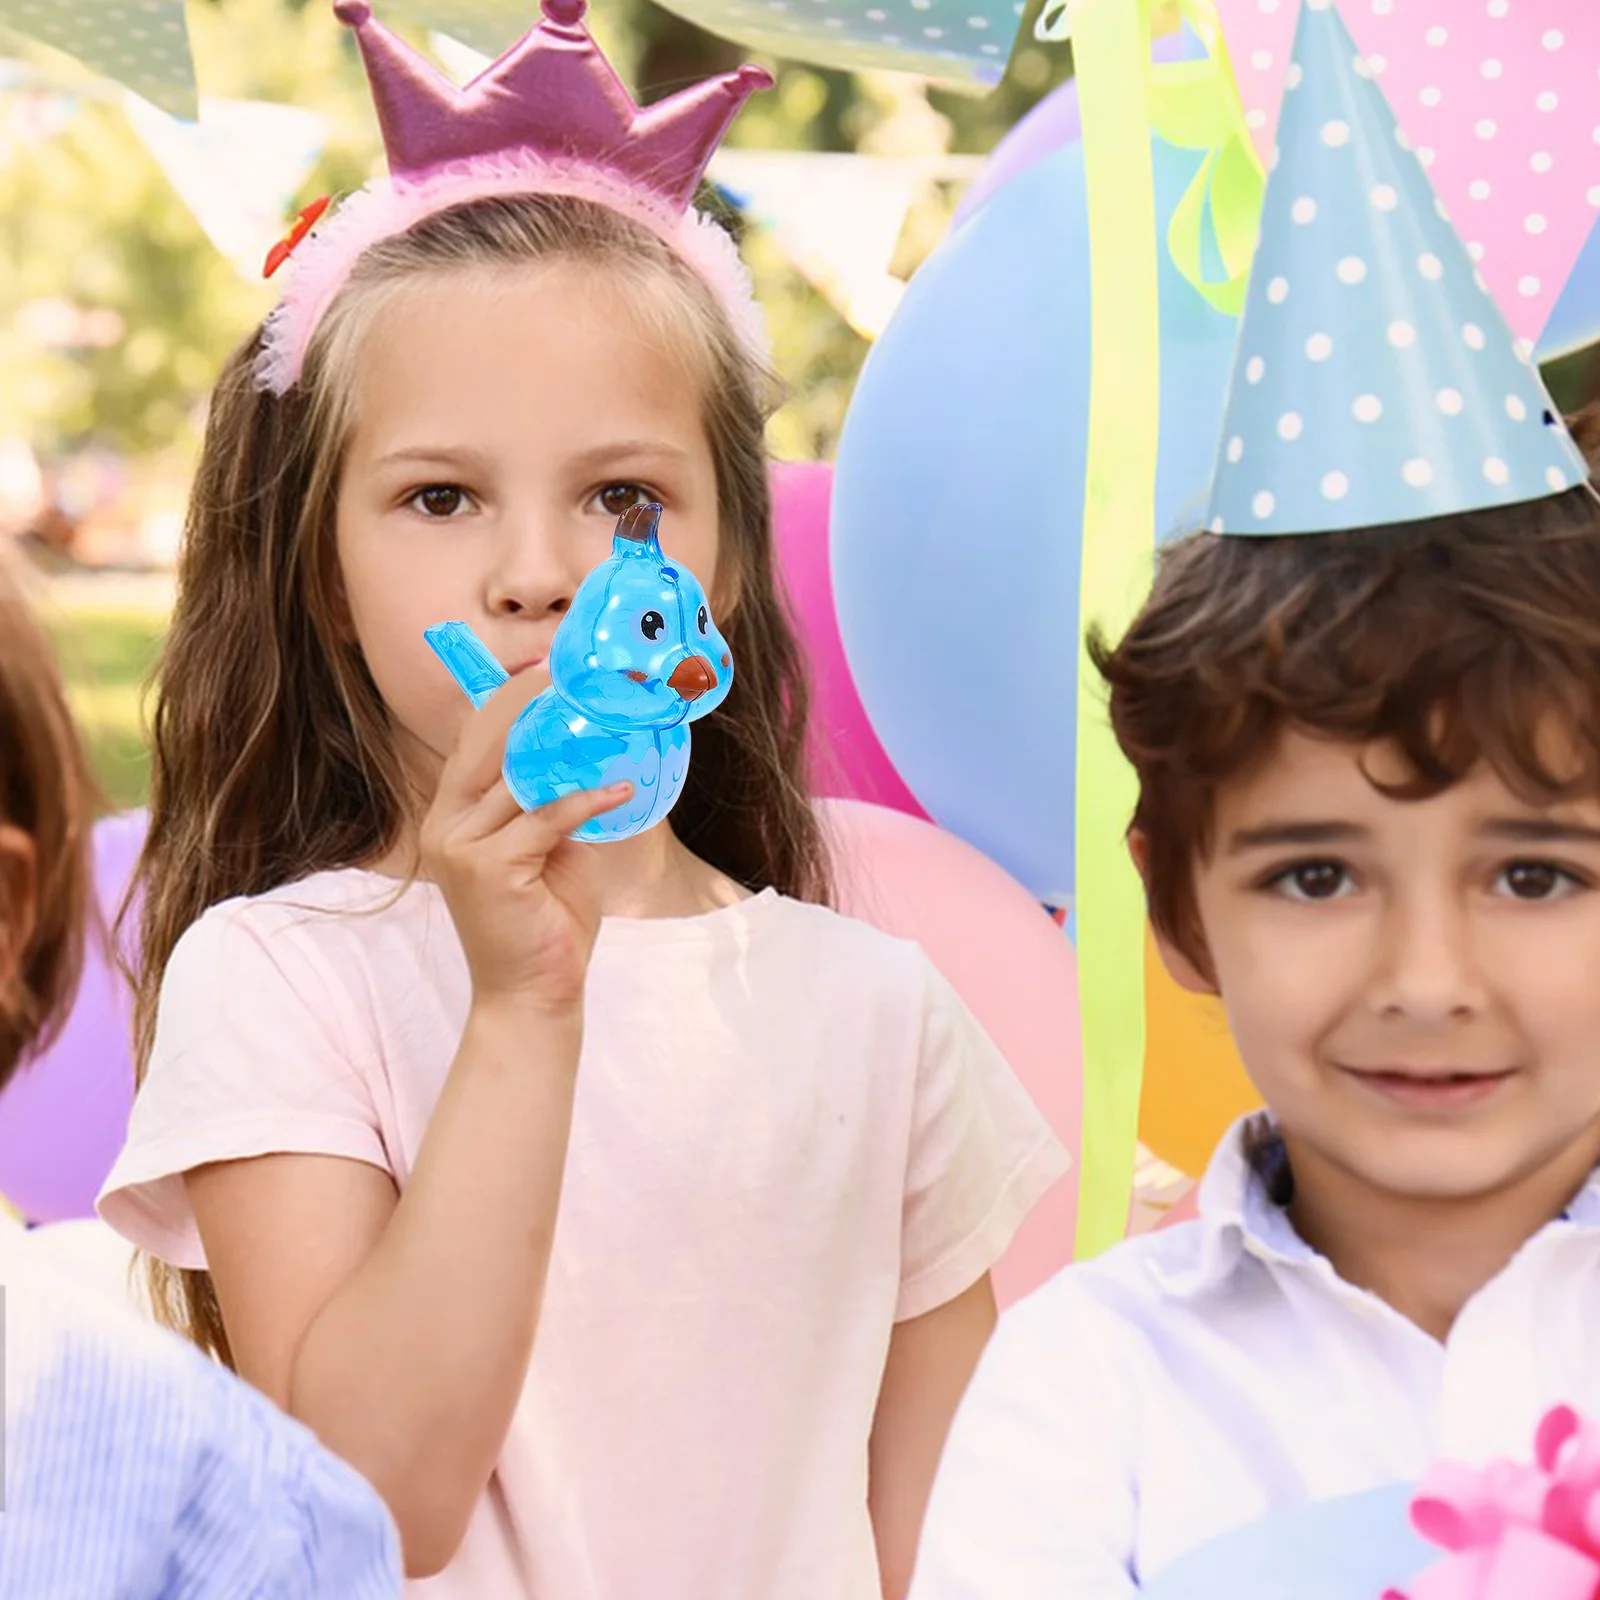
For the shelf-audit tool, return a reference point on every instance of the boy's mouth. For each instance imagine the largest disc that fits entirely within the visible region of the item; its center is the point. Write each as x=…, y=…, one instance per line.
x=1431, y=1089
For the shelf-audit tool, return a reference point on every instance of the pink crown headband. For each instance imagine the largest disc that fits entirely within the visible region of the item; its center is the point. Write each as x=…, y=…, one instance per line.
x=549, y=117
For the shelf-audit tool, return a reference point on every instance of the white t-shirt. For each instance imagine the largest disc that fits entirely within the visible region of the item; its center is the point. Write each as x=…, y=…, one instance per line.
x=788, y=1134
x=1197, y=1379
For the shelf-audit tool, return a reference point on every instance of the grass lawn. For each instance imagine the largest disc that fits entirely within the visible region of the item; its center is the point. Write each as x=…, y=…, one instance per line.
x=106, y=655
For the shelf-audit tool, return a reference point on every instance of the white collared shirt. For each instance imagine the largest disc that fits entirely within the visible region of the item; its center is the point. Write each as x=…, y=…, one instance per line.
x=1193, y=1380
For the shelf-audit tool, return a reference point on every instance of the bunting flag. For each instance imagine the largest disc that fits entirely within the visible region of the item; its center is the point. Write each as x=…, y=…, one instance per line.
x=237, y=168
x=141, y=44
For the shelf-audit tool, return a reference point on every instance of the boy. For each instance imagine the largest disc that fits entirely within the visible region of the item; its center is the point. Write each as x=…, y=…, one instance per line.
x=1364, y=711
x=133, y=1466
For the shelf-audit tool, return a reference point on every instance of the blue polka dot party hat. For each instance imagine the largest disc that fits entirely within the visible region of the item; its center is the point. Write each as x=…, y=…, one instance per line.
x=1376, y=381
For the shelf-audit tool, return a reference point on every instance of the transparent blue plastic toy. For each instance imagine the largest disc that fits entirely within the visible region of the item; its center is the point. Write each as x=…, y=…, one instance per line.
x=635, y=660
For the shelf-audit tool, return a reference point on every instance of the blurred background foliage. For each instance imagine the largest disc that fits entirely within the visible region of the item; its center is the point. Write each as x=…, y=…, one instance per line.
x=89, y=221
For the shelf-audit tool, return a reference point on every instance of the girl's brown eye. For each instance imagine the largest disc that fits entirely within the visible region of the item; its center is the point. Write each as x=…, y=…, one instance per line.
x=440, y=500
x=618, y=497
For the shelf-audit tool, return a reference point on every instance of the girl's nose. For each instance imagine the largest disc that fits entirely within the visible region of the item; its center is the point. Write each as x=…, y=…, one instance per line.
x=535, y=574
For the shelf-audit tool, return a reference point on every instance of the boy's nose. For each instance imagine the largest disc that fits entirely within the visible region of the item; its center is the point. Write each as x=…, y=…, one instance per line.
x=1428, y=969
x=693, y=677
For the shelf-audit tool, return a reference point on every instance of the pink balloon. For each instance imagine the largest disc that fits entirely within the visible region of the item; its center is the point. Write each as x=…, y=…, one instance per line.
x=845, y=757
x=64, y=1117
x=1504, y=95
x=1008, y=961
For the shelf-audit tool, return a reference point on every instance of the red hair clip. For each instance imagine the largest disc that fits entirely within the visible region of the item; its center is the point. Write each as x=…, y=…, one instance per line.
x=303, y=224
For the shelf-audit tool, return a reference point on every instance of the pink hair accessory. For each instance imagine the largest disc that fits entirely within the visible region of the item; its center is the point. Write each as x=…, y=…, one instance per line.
x=1515, y=1532
x=549, y=117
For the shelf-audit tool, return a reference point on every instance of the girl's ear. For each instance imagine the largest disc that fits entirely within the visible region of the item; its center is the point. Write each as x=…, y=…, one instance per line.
x=19, y=912
x=1182, y=969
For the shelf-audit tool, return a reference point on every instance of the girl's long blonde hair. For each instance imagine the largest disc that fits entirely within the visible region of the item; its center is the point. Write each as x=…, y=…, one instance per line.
x=272, y=755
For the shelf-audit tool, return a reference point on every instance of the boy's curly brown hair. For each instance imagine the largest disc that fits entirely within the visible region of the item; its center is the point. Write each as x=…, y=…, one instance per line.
x=1457, y=640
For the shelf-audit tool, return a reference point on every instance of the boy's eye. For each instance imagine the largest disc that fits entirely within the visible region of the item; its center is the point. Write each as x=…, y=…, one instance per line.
x=616, y=498
x=1536, y=880
x=1313, y=880
x=440, y=500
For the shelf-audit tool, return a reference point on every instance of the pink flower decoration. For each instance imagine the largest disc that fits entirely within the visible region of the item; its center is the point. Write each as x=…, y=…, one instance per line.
x=1515, y=1532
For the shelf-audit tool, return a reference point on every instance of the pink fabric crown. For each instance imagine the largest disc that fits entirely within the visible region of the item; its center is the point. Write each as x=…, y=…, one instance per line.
x=549, y=117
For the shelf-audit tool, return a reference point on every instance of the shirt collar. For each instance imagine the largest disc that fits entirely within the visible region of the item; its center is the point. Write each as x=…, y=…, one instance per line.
x=1239, y=1217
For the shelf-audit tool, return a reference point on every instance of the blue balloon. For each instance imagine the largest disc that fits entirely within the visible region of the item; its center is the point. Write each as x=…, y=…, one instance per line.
x=958, y=505
x=1575, y=319
x=635, y=660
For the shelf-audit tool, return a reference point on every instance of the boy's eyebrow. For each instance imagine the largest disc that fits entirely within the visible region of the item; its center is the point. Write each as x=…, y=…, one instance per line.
x=1541, y=830
x=1277, y=835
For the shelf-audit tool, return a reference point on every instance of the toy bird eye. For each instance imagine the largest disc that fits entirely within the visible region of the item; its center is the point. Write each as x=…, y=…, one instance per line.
x=705, y=620
x=652, y=624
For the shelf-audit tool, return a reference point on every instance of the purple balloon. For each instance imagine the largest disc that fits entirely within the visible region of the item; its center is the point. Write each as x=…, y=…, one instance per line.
x=1051, y=124
x=64, y=1117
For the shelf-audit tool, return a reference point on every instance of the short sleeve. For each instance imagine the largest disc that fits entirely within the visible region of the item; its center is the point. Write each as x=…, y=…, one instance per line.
x=982, y=1156
x=1036, y=1495
x=252, y=1056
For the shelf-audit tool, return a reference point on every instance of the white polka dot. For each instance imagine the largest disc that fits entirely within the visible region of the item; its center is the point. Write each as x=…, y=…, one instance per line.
x=1351, y=270
x=1377, y=65
x=1441, y=210
x=1256, y=370
x=1430, y=266
x=1367, y=408
x=1485, y=128
x=1515, y=408
x=1278, y=291
x=1499, y=8
x=990, y=49
x=1492, y=69
x=1474, y=336
x=1402, y=138
x=1553, y=40
x=1218, y=525
x=1555, y=477
x=1266, y=6
x=1319, y=347
x=1264, y=504
x=1295, y=75
x=1593, y=196
x=1430, y=96
x=1402, y=335
x=1426, y=155
x=1360, y=66
x=1384, y=197
x=1476, y=250
x=1335, y=133
x=1304, y=210
x=1261, y=60
x=1417, y=472
x=1273, y=159
x=1236, y=449
x=1495, y=470
x=1382, y=8
x=979, y=23
x=1290, y=425
x=933, y=33
x=1481, y=281
x=1437, y=37
x=1479, y=189
x=1534, y=223
x=1335, y=486
x=1541, y=161
x=1449, y=401
x=1529, y=287
x=1548, y=101
x=1256, y=118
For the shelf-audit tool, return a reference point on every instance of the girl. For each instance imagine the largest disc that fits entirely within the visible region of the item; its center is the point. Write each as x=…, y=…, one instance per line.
x=622, y=1213
x=133, y=1467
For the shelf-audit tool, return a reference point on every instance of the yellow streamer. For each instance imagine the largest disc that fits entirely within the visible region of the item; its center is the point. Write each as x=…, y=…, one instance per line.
x=1111, y=51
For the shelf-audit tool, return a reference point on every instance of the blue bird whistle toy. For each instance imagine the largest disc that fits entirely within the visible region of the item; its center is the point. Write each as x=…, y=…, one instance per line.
x=635, y=660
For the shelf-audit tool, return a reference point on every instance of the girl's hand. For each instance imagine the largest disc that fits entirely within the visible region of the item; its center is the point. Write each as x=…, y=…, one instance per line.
x=523, y=896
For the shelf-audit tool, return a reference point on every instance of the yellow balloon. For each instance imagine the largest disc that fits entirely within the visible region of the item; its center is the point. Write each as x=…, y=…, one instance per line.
x=1194, y=1083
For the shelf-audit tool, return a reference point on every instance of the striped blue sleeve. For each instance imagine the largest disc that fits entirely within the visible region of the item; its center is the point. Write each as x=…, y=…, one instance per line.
x=138, y=1469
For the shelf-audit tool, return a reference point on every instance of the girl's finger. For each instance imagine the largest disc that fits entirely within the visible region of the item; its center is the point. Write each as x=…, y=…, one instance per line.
x=473, y=767
x=485, y=816
x=535, y=834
